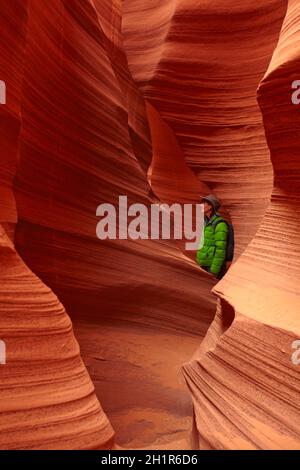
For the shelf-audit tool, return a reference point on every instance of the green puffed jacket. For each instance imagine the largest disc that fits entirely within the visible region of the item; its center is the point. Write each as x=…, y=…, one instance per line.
x=213, y=251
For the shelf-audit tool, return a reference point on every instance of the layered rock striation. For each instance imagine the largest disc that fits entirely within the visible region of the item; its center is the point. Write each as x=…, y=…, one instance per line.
x=157, y=101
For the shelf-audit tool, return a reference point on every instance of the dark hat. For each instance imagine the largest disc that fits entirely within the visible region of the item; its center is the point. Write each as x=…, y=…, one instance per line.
x=213, y=201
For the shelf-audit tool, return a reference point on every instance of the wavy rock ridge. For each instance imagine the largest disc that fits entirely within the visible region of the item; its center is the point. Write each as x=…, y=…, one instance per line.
x=262, y=411
x=78, y=137
x=152, y=100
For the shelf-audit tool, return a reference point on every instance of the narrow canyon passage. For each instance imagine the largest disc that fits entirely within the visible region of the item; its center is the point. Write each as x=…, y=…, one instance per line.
x=157, y=101
x=137, y=368
x=137, y=376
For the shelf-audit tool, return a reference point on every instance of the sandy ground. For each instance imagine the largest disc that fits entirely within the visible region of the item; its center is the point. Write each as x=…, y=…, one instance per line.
x=137, y=375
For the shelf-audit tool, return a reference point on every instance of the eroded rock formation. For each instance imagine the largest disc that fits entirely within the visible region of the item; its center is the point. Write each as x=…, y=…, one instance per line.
x=205, y=61
x=157, y=101
x=47, y=397
x=81, y=138
x=244, y=384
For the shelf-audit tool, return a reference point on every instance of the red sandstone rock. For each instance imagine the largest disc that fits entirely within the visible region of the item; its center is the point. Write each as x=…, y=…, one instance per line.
x=244, y=384
x=205, y=61
x=47, y=398
x=85, y=140
x=151, y=100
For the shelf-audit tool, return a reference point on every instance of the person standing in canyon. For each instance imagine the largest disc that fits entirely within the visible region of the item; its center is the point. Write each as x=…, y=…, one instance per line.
x=217, y=251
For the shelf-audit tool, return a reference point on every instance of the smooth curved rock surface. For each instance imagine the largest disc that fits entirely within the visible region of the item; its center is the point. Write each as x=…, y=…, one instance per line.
x=157, y=101
x=13, y=33
x=243, y=381
x=84, y=139
x=47, y=397
x=207, y=59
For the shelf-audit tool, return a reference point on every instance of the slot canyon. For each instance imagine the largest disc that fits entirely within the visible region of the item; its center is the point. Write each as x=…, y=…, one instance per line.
x=129, y=344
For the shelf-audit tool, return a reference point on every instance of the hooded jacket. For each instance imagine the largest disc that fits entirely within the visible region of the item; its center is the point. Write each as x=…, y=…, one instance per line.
x=213, y=252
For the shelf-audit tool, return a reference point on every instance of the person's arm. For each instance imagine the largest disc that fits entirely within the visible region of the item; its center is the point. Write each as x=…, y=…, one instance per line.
x=221, y=236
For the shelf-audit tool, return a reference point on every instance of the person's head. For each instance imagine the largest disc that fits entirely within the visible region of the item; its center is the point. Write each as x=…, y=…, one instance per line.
x=211, y=204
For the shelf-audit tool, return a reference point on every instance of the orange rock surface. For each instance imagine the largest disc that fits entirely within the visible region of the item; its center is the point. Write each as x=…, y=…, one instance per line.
x=47, y=397
x=157, y=101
